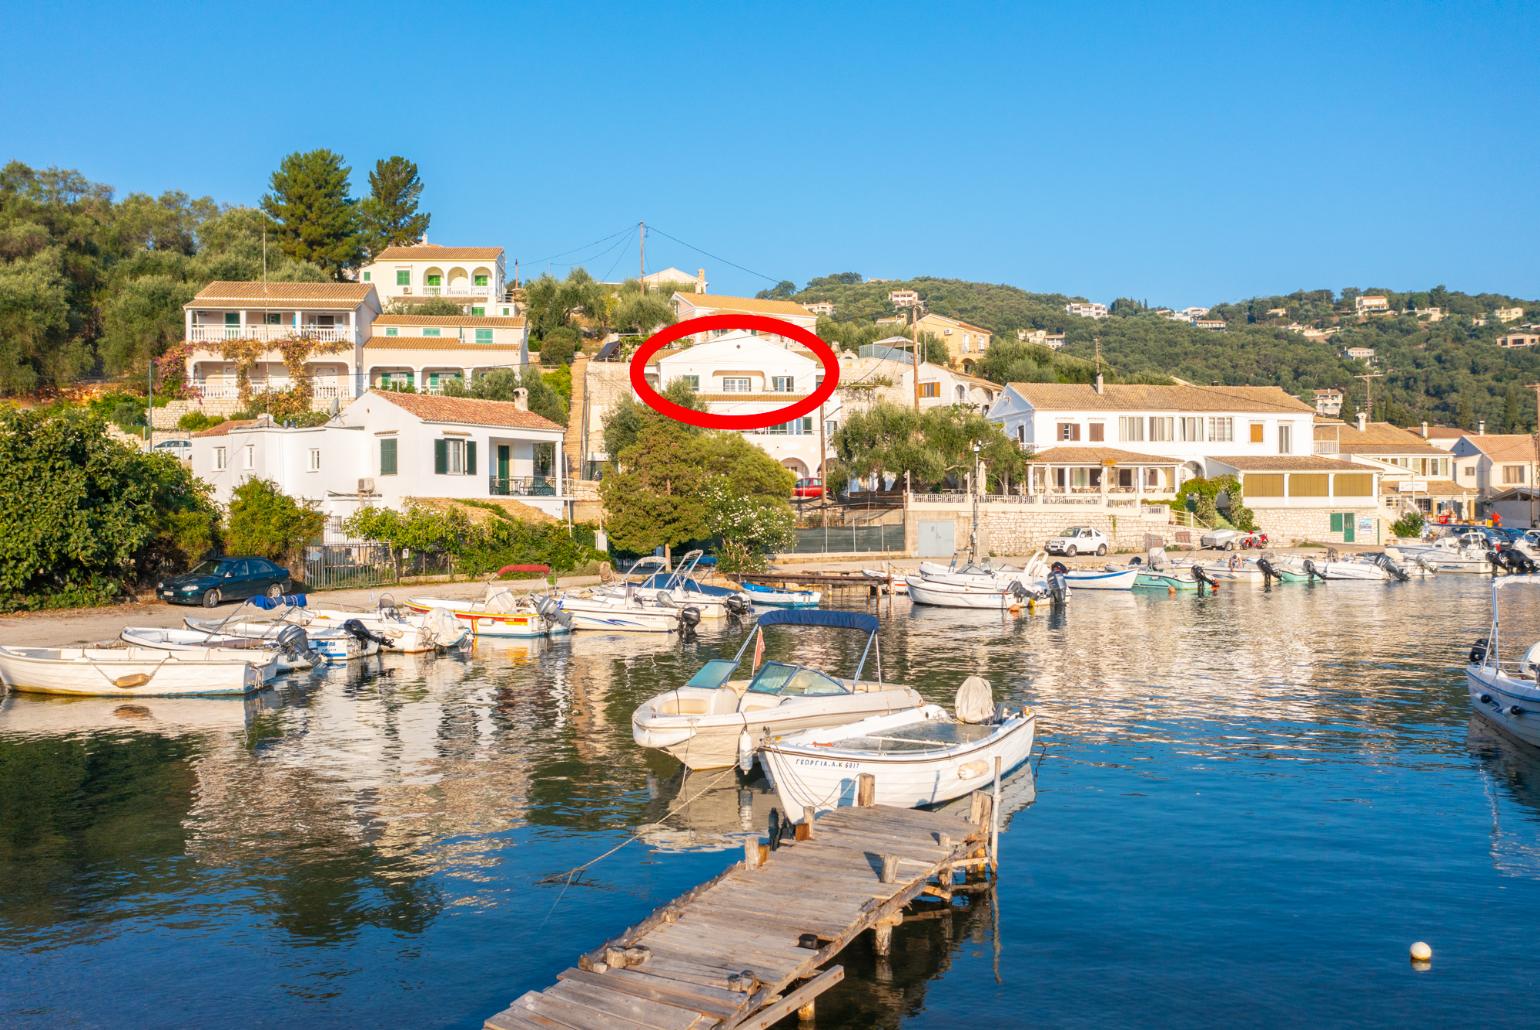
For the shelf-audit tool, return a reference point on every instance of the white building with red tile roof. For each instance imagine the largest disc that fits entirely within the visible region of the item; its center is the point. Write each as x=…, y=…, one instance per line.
x=473, y=275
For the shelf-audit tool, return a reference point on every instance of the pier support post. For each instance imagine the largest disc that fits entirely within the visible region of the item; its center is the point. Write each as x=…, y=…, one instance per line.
x=889, y=868
x=805, y=1013
x=751, y=853
x=807, y=820
x=866, y=790
x=994, y=820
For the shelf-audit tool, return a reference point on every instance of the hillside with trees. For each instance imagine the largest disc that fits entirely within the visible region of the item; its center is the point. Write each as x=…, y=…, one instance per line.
x=1448, y=372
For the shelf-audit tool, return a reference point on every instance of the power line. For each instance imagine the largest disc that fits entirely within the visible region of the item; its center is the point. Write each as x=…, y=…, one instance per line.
x=714, y=257
x=626, y=231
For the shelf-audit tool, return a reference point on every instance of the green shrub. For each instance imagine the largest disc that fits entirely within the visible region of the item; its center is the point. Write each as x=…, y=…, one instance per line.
x=195, y=421
x=1409, y=526
x=267, y=523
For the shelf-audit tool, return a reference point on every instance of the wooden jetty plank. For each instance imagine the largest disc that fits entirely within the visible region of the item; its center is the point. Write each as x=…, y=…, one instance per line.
x=565, y=1012
x=511, y=1019
x=794, y=1000
x=656, y=1014
x=720, y=1004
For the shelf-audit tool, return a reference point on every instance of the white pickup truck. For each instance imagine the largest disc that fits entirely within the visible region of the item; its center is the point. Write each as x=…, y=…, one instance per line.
x=1078, y=540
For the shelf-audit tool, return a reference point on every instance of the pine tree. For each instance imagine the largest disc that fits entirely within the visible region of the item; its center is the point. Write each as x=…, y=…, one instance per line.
x=390, y=215
x=317, y=220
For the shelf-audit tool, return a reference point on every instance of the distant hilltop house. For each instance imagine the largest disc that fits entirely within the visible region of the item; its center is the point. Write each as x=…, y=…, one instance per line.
x=1211, y=324
x=1371, y=303
x=1508, y=314
x=903, y=298
x=1195, y=312
x=1277, y=312
x=1328, y=402
x=1365, y=354
x=1086, y=309
x=1513, y=341
x=1431, y=314
x=474, y=277
x=698, y=305
x=1315, y=333
x=1041, y=337
x=820, y=307
x=964, y=342
x=677, y=279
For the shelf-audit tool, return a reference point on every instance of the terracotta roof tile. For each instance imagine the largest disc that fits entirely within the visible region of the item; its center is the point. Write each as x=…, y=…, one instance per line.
x=1290, y=463
x=749, y=305
x=1135, y=397
x=229, y=425
x=467, y=321
x=466, y=410
x=1098, y=456
x=1375, y=438
x=432, y=251
x=1505, y=446
x=302, y=294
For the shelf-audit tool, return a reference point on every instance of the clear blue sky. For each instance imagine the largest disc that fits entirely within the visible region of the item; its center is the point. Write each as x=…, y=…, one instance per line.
x=1185, y=155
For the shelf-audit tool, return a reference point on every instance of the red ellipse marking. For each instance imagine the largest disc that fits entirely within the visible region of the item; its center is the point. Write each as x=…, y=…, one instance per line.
x=757, y=420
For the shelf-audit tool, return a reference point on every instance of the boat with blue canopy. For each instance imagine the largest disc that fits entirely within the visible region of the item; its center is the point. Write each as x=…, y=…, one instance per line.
x=723, y=712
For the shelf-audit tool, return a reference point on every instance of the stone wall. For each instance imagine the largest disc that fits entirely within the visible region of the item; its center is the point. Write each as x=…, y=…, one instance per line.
x=1288, y=526
x=1015, y=529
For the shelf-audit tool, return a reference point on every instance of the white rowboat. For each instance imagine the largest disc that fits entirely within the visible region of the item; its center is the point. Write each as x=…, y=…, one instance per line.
x=128, y=672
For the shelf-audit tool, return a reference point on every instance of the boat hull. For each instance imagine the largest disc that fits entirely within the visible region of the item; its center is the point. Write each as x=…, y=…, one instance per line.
x=127, y=672
x=336, y=647
x=515, y=624
x=1087, y=579
x=1513, y=705
x=825, y=778
x=593, y=615
x=953, y=595
x=771, y=598
x=233, y=649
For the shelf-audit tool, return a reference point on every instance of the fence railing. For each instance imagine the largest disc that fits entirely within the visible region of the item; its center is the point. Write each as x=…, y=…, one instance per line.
x=521, y=486
x=338, y=560
x=843, y=529
x=269, y=333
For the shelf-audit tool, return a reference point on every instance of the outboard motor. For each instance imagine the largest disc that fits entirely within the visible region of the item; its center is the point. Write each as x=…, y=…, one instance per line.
x=1311, y=570
x=689, y=618
x=736, y=606
x=1397, y=573
x=1525, y=563
x=1268, y=570
x=294, y=643
x=550, y=609
x=1496, y=558
x=1478, y=651
x=359, y=632
x=1204, y=579
x=1058, y=583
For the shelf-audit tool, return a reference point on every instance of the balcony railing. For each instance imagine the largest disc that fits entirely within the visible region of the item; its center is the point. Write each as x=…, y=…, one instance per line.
x=521, y=486
x=458, y=291
x=269, y=333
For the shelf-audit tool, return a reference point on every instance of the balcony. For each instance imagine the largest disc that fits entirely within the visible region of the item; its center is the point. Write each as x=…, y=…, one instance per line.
x=269, y=333
x=521, y=486
x=481, y=292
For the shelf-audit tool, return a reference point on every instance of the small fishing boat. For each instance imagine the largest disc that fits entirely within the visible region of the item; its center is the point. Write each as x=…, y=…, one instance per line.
x=1110, y=578
x=715, y=719
x=682, y=588
x=918, y=757
x=883, y=578
x=631, y=611
x=347, y=643
x=972, y=585
x=409, y=632
x=129, y=672
x=1506, y=692
x=289, y=655
x=1378, y=568
x=500, y=613
x=981, y=595
x=774, y=597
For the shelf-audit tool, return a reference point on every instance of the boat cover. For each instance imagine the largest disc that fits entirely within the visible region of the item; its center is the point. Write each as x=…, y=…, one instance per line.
x=818, y=617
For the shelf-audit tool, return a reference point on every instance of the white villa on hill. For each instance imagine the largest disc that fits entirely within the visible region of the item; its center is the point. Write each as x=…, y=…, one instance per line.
x=386, y=448
x=698, y=305
x=475, y=276
x=425, y=352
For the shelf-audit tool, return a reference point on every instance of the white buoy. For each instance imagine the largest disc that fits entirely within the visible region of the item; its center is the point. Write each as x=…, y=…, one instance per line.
x=1421, y=952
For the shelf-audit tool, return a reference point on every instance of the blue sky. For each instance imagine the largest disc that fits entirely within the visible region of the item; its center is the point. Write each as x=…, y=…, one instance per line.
x=1183, y=153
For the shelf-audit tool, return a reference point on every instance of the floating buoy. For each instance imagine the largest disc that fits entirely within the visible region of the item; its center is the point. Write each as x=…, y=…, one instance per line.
x=1421, y=952
x=1170, y=590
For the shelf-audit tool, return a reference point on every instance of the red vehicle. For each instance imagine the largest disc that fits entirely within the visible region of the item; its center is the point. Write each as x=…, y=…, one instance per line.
x=1254, y=540
x=807, y=489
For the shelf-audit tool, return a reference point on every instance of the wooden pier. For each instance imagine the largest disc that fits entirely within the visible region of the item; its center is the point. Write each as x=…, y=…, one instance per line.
x=751, y=947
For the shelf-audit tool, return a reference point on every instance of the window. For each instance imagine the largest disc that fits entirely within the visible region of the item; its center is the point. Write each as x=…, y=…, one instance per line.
x=930, y=389
x=1221, y=428
x=366, y=276
x=693, y=382
x=219, y=459
x=396, y=380
x=1021, y=433
x=250, y=457
x=430, y=332
x=1357, y=484
x=1191, y=428
x=1513, y=473
x=391, y=330
x=1068, y=431
x=1130, y=428
x=403, y=277
x=272, y=318
x=1309, y=484
x=782, y=384
x=1264, y=484
x=1256, y=432
x=737, y=384
x=435, y=280
x=1285, y=439
x=481, y=279
x=478, y=311
x=1096, y=432
x=1161, y=428
x=388, y=447
x=483, y=336
x=315, y=459
x=831, y=427
x=453, y=457
x=818, y=381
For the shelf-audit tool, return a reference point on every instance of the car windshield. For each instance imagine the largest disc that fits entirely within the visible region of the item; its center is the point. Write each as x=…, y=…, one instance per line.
x=1071, y=531
x=209, y=567
x=794, y=681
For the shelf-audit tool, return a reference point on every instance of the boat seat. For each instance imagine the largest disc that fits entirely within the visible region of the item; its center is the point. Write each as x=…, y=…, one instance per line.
x=1531, y=661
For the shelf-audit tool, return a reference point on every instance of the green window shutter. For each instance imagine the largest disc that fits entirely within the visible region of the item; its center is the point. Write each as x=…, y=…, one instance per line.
x=403, y=278
x=470, y=457
x=483, y=336
x=1336, y=522
x=366, y=276
x=430, y=332
x=390, y=331
x=232, y=318
x=478, y=312
x=481, y=280
x=435, y=280
x=388, y=456
x=440, y=457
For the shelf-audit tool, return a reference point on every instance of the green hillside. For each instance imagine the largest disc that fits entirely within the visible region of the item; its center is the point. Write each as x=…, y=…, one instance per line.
x=1449, y=372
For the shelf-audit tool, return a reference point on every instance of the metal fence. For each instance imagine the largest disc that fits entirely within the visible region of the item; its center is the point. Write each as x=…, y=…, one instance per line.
x=846, y=529
x=337, y=560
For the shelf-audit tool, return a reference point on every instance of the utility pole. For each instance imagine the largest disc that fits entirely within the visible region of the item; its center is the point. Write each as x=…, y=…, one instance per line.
x=1369, y=378
x=914, y=350
x=641, y=246
x=149, y=409
x=823, y=457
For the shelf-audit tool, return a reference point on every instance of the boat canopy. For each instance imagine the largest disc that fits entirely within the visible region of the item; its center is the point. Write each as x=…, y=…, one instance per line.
x=862, y=621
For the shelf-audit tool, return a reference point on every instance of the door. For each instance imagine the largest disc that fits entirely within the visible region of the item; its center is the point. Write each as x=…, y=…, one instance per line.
x=937, y=537
x=237, y=584
x=1348, y=523
x=504, y=459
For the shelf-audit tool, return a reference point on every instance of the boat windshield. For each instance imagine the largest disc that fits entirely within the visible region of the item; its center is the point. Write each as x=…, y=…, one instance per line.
x=794, y=681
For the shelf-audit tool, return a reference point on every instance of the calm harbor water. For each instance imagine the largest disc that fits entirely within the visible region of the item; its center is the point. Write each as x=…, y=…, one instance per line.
x=1246, y=809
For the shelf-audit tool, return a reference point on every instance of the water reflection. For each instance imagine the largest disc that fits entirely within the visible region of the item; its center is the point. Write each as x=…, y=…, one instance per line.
x=1511, y=779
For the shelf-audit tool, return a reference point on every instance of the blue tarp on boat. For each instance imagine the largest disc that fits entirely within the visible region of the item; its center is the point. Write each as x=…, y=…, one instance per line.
x=818, y=617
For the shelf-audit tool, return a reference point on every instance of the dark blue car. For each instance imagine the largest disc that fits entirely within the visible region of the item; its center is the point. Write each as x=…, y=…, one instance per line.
x=225, y=579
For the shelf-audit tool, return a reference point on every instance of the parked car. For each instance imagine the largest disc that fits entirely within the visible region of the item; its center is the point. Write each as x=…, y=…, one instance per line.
x=181, y=448
x=1078, y=540
x=225, y=579
x=807, y=488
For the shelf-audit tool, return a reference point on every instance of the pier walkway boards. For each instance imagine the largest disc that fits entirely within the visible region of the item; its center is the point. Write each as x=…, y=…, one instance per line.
x=750, y=947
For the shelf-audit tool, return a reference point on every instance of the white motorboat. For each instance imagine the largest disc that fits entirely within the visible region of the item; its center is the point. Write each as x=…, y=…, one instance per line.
x=1347, y=570
x=777, y=597
x=715, y=720
x=129, y=672
x=918, y=757
x=409, y=632
x=344, y=644
x=1463, y=552
x=630, y=611
x=291, y=655
x=985, y=595
x=679, y=588
x=1110, y=578
x=501, y=613
x=973, y=585
x=1506, y=692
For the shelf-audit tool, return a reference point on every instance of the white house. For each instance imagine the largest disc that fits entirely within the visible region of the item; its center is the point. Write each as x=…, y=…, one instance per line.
x=425, y=352
x=335, y=319
x=672, y=278
x=475, y=276
x=387, y=448
x=1191, y=424
x=698, y=305
x=1086, y=309
x=1371, y=303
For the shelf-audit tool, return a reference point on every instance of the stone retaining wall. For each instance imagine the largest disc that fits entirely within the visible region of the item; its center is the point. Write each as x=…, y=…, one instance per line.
x=1014, y=529
x=1286, y=527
